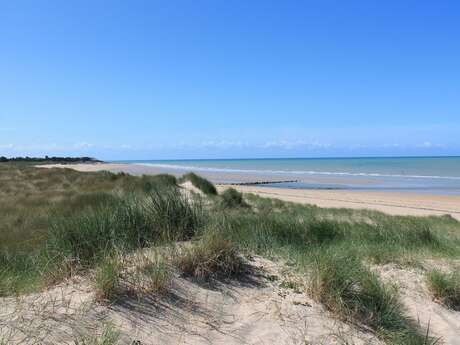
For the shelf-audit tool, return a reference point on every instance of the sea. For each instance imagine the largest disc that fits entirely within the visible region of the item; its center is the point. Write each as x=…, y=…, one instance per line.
x=435, y=175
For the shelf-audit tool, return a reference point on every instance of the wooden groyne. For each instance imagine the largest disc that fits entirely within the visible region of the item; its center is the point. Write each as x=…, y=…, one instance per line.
x=253, y=183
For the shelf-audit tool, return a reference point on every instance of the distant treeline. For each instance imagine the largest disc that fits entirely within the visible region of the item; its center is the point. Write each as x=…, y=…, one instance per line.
x=50, y=159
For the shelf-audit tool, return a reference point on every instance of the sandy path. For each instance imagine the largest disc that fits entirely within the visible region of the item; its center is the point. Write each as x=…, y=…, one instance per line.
x=388, y=202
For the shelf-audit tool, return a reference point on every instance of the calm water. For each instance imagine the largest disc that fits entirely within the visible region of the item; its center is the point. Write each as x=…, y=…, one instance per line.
x=421, y=174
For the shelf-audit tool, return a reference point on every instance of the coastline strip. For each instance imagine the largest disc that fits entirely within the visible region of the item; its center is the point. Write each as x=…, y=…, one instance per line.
x=395, y=203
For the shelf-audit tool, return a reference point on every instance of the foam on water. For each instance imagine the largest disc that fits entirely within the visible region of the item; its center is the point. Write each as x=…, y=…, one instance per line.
x=427, y=174
x=293, y=172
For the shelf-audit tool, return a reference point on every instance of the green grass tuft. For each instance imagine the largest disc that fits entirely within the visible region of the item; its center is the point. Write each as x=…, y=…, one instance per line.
x=174, y=214
x=150, y=182
x=350, y=290
x=201, y=183
x=445, y=287
x=212, y=256
x=110, y=336
x=107, y=279
x=19, y=273
x=152, y=274
x=231, y=198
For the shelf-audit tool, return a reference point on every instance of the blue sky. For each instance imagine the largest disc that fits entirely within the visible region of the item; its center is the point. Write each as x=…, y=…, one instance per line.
x=222, y=79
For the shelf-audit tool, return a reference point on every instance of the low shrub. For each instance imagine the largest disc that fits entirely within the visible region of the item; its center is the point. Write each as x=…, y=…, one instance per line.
x=445, y=288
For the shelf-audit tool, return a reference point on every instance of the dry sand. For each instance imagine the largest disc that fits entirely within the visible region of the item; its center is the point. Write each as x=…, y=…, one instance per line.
x=443, y=323
x=254, y=310
x=389, y=202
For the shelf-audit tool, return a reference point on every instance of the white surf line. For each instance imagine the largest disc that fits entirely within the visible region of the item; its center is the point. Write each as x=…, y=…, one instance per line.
x=293, y=172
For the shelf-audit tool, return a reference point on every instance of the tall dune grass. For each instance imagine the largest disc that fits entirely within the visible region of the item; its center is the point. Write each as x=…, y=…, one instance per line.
x=445, y=287
x=54, y=221
x=124, y=223
x=201, y=183
x=231, y=198
x=346, y=287
x=213, y=255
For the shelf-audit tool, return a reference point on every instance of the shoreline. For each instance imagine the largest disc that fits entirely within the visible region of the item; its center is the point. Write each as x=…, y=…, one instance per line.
x=390, y=202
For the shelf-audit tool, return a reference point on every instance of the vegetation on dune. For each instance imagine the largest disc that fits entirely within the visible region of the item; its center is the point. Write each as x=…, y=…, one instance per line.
x=201, y=183
x=231, y=198
x=151, y=275
x=346, y=287
x=445, y=287
x=64, y=220
x=211, y=256
x=31, y=197
x=153, y=181
x=109, y=336
x=19, y=272
x=57, y=222
x=107, y=279
x=303, y=229
x=124, y=223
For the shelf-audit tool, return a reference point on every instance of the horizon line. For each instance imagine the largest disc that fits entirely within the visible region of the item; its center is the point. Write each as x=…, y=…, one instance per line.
x=281, y=158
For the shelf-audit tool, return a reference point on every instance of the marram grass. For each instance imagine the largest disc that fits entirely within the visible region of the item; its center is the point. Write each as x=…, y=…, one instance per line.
x=77, y=221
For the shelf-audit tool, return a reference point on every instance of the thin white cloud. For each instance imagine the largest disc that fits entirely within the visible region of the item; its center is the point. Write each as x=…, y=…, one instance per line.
x=294, y=144
x=83, y=145
x=223, y=144
x=429, y=145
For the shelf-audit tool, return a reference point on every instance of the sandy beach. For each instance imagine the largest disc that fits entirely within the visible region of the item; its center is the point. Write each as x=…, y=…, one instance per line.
x=389, y=202
x=395, y=203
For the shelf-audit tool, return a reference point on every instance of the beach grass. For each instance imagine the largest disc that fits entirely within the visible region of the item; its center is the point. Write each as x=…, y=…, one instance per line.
x=109, y=336
x=211, y=256
x=282, y=226
x=445, y=287
x=349, y=289
x=107, y=279
x=231, y=198
x=124, y=223
x=154, y=275
x=200, y=182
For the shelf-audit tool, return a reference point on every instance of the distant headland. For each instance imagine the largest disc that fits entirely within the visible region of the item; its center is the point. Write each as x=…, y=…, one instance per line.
x=48, y=159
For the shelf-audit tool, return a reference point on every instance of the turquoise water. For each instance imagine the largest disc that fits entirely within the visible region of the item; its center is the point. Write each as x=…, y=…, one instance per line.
x=424, y=174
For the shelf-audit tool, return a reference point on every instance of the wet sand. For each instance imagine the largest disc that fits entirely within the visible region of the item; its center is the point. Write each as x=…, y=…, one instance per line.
x=396, y=203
